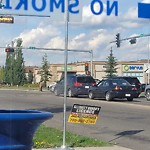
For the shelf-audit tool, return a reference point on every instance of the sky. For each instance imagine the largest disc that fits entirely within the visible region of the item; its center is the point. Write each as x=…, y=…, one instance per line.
x=90, y=32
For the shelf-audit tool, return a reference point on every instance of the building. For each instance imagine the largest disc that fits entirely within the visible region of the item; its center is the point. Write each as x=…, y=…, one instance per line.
x=124, y=68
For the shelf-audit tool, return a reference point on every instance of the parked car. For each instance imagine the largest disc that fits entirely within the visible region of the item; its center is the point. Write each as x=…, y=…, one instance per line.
x=147, y=92
x=113, y=88
x=51, y=86
x=76, y=85
x=133, y=81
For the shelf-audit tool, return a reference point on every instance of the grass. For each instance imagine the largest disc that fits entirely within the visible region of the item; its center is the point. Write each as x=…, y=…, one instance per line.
x=142, y=94
x=46, y=137
x=24, y=87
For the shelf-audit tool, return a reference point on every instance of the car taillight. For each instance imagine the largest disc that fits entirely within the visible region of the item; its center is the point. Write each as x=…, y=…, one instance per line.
x=93, y=84
x=134, y=89
x=77, y=84
x=117, y=88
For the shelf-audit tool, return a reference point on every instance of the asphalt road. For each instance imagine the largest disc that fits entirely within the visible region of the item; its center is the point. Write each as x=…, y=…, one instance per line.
x=124, y=123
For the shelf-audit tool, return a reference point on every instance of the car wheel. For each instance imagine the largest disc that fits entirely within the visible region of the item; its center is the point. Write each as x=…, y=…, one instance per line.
x=70, y=94
x=56, y=92
x=108, y=96
x=130, y=98
x=91, y=95
x=147, y=95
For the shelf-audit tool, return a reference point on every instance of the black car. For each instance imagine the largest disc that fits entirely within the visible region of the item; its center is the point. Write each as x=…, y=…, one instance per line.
x=113, y=88
x=76, y=85
x=133, y=81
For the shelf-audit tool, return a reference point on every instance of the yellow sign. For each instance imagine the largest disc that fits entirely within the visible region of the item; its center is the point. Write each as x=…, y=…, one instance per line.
x=84, y=114
x=6, y=19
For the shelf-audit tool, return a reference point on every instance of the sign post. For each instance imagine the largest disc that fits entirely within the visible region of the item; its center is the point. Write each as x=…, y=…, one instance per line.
x=64, y=147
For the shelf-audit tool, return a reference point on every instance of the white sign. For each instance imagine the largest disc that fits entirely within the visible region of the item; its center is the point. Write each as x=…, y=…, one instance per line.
x=56, y=8
x=53, y=8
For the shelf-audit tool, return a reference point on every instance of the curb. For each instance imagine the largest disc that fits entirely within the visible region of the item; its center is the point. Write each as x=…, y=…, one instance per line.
x=115, y=147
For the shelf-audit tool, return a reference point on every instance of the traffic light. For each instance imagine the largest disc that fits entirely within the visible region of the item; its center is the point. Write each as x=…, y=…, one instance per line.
x=118, y=39
x=133, y=41
x=9, y=49
x=86, y=67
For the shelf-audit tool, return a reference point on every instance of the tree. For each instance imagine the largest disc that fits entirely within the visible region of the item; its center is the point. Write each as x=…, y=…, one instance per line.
x=110, y=66
x=19, y=68
x=2, y=74
x=9, y=68
x=45, y=73
x=14, y=66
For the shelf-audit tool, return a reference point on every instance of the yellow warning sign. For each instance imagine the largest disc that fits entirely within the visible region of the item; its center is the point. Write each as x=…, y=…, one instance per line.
x=84, y=114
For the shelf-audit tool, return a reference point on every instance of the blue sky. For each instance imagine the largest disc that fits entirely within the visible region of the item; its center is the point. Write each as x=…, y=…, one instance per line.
x=91, y=33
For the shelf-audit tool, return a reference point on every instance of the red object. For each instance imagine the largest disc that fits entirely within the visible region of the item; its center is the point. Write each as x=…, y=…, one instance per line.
x=77, y=84
x=9, y=49
x=117, y=88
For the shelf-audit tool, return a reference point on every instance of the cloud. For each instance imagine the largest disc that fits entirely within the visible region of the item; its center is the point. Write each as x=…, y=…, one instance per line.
x=39, y=36
x=146, y=1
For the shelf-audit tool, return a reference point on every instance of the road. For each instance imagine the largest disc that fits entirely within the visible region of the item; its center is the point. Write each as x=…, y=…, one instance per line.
x=124, y=123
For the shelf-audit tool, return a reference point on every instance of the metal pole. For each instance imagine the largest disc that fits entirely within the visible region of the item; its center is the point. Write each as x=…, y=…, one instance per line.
x=65, y=71
x=148, y=62
x=64, y=147
x=91, y=52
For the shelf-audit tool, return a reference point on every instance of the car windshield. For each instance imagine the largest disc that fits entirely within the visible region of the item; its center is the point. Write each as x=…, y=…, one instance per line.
x=133, y=80
x=85, y=80
x=120, y=82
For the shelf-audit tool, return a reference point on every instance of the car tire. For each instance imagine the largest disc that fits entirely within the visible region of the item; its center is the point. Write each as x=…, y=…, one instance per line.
x=91, y=95
x=130, y=98
x=108, y=96
x=147, y=95
x=56, y=92
x=70, y=94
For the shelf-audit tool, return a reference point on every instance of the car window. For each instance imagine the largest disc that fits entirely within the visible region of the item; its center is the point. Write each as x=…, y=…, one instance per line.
x=101, y=83
x=85, y=80
x=133, y=80
x=120, y=83
x=71, y=79
x=106, y=83
x=61, y=81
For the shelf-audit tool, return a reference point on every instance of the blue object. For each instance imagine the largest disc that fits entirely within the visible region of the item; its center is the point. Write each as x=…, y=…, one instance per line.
x=17, y=128
x=144, y=10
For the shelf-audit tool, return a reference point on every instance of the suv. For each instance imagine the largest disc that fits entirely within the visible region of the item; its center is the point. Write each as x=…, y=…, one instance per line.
x=133, y=81
x=76, y=85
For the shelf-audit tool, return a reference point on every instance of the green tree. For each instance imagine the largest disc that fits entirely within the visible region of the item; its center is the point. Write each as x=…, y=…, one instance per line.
x=110, y=66
x=2, y=74
x=14, y=66
x=45, y=73
x=9, y=68
x=19, y=68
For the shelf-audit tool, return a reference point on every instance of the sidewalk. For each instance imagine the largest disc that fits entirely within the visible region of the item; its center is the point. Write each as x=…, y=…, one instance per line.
x=91, y=148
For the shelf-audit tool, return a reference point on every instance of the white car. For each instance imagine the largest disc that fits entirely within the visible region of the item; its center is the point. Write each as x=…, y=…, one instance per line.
x=51, y=86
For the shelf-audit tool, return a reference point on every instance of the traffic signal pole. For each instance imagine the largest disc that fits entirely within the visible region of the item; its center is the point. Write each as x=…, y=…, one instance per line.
x=55, y=49
x=133, y=37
